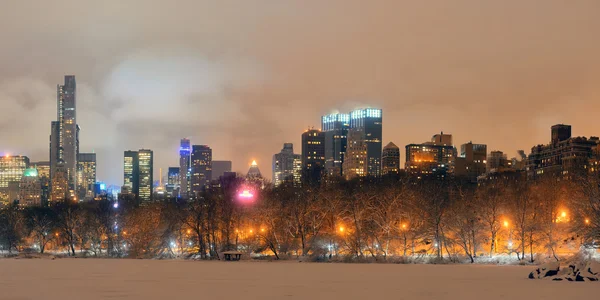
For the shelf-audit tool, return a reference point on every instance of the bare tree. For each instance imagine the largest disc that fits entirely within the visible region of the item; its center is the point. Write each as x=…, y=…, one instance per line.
x=41, y=223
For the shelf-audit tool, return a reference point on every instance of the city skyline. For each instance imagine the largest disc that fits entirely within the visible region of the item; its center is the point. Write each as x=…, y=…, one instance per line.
x=442, y=77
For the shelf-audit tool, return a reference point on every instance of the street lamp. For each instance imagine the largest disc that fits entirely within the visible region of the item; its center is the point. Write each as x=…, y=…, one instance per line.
x=341, y=229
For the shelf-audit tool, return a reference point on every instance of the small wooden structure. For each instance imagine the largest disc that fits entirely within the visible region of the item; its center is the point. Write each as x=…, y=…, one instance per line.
x=232, y=255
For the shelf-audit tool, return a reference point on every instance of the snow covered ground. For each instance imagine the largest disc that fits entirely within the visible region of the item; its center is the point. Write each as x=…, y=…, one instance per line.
x=152, y=279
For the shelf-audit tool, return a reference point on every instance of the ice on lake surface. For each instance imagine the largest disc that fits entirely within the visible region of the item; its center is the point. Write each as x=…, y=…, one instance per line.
x=168, y=279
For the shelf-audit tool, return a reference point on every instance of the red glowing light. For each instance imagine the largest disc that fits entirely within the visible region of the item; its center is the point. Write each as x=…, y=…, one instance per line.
x=246, y=194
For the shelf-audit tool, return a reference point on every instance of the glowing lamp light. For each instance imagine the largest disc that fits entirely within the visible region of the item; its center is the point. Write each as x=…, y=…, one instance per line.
x=587, y=221
x=563, y=214
x=246, y=194
x=116, y=205
x=505, y=223
x=342, y=229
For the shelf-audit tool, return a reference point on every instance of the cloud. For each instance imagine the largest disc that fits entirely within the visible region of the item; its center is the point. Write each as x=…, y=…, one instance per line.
x=246, y=76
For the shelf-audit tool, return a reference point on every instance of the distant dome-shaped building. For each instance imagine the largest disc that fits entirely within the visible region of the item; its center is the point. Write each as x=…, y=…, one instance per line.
x=30, y=188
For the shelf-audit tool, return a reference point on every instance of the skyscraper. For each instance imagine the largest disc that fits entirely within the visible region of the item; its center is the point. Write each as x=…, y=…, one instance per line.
x=59, y=190
x=367, y=127
x=355, y=160
x=390, y=159
x=335, y=127
x=146, y=171
x=185, y=150
x=219, y=168
x=43, y=169
x=68, y=139
x=313, y=154
x=11, y=171
x=173, y=183
x=30, y=189
x=86, y=174
x=285, y=165
x=254, y=172
x=131, y=172
x=201, y=168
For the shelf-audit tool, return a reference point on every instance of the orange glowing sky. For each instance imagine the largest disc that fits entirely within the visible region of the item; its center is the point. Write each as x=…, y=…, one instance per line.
x=246, y=76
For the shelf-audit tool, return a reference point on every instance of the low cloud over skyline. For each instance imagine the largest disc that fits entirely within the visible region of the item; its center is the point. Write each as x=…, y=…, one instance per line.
x=246, y=76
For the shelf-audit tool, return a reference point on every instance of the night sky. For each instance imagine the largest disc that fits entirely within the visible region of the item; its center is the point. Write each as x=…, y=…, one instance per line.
x=246, y=76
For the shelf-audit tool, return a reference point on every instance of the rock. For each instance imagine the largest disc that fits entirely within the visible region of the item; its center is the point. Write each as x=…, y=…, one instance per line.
x=593, y=267
x=545, y=270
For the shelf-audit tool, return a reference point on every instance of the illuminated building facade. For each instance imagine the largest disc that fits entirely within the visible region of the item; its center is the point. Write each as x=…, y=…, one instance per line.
x=355, y=161
x=68, y=139
x=60, y=184
x=367, y=127
x=43, y=169
x=254, y=172
x=565, y=156
x=313, y=154
x=30, y=189
x=86, y=174
x=11, y=171
x=287, y=166
x=173, y=182
x=131, y=172
x=335, y=128
x=390, y=159
x=201, y=168
x=185, y=151
x=146, y=171
x=428, y=159
x=472, y=161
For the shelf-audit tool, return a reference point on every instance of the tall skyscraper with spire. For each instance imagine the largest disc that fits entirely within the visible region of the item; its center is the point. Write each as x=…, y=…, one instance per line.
x=185, y=151
x=64, y=138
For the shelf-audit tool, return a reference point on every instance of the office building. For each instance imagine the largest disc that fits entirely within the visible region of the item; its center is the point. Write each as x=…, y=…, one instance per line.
x=219, y=168
x=390, y=159
x=564, y=156
x=355, y=160
x=146, y=171
x=59, y=186
x=497, y=161
x=335, y=127
x=173, y=183
x=313, y=155
x=30, y=189
x=185, y=151
x=68, y=139
x=431, y=159
x=287, y=166
x=43, y=169
x=201, y=173
x=86, y=174
x=12, y=168
x=472, y=161
x=367, y=127
x=131, y=172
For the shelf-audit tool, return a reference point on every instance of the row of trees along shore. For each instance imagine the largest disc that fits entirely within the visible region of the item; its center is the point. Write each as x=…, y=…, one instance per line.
x=371, y=219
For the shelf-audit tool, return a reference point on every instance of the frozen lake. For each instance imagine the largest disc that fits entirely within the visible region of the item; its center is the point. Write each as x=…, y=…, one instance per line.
x=152, y=279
